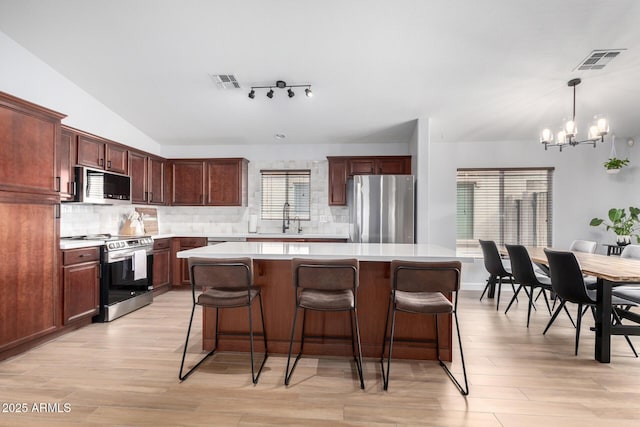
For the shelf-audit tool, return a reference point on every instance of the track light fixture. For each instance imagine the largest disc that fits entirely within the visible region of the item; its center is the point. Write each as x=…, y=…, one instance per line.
x=280, y=84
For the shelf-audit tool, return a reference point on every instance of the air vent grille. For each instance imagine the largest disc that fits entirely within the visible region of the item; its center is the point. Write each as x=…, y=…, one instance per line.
x=225, y=81
x=597, y=59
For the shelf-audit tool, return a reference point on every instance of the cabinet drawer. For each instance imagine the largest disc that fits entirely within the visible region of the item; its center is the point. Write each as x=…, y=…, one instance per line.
x=193, y=242
x=75, y=256
x=161, y=244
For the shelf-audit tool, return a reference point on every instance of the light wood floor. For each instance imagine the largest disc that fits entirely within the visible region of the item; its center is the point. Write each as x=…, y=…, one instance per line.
x=125, y=373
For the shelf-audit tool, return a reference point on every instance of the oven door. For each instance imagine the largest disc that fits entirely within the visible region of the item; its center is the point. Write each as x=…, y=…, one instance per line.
x=120, y=282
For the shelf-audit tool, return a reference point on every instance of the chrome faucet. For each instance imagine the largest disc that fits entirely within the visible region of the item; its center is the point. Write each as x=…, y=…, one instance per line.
x=286, y=221
x=299, y=227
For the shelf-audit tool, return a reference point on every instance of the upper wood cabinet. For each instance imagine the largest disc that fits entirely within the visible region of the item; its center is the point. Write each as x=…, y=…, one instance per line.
x=187, y=182
x=102, y=154
x=342, y=168
x=65, y=162
x=226, y=182
x=209, y=182
x=147, y=178
x=29, y=135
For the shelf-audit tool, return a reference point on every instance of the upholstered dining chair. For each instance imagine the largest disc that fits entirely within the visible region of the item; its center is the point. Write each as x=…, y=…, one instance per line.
x=226, y=284
x=568, y=283
x=496, y=269
x=524, y=274
x=423, y=288
x=329, y=286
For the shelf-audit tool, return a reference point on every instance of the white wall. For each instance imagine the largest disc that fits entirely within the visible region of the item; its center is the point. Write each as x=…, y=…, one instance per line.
x=25, y=76
x=581, y=189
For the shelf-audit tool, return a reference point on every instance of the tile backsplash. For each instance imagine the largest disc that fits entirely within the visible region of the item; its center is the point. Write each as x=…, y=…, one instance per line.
x=79, y=219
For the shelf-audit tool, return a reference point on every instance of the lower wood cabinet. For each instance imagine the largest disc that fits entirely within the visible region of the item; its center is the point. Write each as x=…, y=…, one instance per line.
x=80, y=283
x=181, y=265
x=161, y=265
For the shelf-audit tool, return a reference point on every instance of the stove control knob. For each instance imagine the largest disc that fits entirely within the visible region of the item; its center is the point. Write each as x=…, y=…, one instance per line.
x=111, y=245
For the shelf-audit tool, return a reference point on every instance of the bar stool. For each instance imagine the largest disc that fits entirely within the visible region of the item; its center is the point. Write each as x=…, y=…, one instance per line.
x=421, y=288
x=325, y=285
x=225, y=283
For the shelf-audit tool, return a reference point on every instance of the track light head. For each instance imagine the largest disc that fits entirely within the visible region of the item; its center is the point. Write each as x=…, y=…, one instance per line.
x=308, y=92
x=270, y=93
x=252, y=94
x=291, y=93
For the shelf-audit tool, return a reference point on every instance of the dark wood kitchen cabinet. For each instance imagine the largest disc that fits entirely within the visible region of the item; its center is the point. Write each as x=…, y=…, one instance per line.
x=187, y=182
x=161, y=266
x=29, y=225
x=80, y=284
x=181, y=265
x=343, y=168
x=209, y=182
x=226, y=182
x=147, y=178
x=99, y=153
x=65, y=162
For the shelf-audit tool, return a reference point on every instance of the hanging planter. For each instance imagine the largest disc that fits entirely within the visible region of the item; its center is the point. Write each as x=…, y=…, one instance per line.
x=614, y=164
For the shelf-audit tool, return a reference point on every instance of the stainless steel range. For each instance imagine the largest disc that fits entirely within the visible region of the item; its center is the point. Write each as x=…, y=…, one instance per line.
x=127, y=269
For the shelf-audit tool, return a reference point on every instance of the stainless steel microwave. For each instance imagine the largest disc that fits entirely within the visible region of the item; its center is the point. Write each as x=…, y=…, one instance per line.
x=95, y=186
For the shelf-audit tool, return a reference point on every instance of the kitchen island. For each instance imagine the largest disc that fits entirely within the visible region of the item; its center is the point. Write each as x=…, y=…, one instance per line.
x=272, y=272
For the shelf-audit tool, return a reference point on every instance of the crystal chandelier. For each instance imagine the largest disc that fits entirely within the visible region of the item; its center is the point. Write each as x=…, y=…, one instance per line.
x=568, y=135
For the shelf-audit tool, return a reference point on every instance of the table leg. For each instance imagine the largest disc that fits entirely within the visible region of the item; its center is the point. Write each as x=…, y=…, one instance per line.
x=603, y=322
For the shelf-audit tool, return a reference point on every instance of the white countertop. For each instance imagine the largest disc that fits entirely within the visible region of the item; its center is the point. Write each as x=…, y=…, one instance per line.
x=77, y=244
x=360, y=251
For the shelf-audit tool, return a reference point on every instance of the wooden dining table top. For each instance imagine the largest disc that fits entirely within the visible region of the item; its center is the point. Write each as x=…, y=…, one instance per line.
x=611, y=268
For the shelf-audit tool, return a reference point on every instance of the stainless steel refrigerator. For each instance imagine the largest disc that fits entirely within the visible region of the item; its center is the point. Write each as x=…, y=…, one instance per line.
x=382, y=208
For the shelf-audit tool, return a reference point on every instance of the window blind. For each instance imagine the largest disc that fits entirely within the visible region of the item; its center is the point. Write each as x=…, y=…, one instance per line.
x=505, y=205
x=286, y=186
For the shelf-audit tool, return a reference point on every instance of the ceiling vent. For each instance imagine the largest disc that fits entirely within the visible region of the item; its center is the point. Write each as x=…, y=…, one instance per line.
x=225, y=81
x=597, y=59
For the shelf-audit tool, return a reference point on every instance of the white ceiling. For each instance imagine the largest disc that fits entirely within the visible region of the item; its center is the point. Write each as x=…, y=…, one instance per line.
x=481, y=70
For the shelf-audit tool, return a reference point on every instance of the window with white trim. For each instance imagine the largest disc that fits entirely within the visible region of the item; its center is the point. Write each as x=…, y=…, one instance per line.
x=508, y=205
x=286, y=186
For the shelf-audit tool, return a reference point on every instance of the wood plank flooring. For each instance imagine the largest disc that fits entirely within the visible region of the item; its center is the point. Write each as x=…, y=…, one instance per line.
x=125, y=373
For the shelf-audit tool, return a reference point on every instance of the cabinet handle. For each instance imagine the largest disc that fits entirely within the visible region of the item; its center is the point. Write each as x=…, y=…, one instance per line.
x=146, y=194
x=57, y=211
x=74, y=189
x=100, y=162
x=58, y=184
x=109, y=164
x=150, y=196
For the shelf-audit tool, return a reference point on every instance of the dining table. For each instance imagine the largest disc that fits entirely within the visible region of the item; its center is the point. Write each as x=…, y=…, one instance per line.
x=610, y=271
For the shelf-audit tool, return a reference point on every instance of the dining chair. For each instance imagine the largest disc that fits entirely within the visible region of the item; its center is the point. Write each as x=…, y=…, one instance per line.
x=225, y=284
x=328, y=286
x=423, y=288
x=524, y=274
x=496, y=269
x=586, y=246
x=568, y=284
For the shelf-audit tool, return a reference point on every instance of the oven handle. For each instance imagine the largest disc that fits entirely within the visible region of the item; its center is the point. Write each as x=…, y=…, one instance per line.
x=113, y=257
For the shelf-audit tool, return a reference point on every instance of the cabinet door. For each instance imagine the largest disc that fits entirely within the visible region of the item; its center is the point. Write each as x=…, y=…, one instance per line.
x=116, y=156
x=393, y=166
x=224, y=182
x=138, y=174
x=337, y=182
x=29, y=296
x=155, y=182
x=361, y=167
x=81, y=293
x=90, y=152
x=187, y=183
x=65, y=150
x=27, y=151
x=161, y=270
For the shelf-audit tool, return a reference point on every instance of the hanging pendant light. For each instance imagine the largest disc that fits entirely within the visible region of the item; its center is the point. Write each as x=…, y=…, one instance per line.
x=569, y=132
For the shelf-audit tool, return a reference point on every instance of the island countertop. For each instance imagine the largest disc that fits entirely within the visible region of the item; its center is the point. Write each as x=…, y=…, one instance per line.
x=361, y=251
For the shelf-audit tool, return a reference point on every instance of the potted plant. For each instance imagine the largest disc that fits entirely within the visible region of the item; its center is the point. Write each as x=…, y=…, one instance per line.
x=613, y=165
x=625, y=226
